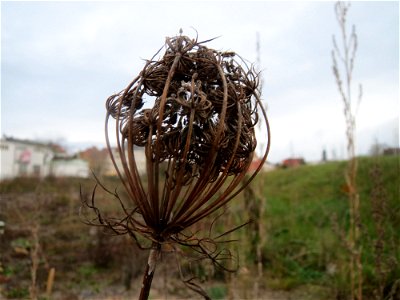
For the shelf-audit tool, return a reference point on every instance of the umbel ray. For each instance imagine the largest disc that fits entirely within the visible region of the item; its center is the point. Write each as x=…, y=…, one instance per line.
x=193, y=111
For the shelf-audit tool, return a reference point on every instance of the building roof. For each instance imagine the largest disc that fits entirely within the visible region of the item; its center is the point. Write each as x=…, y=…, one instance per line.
x=55, y=147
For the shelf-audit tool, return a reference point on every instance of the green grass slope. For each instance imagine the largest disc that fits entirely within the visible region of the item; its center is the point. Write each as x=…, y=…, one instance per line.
x=306, y=220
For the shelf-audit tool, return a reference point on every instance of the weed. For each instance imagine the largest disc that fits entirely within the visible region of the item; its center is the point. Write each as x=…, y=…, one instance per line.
x=87, y=271
x=21, y=243
x=343, y=75
x=217, y=292
x=18, y=293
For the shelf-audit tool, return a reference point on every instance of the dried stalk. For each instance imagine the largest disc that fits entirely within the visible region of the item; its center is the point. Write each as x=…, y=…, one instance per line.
x=346, y=56
x=33, y=225
x=148, y=275
x=35, y=260
x=50, y=282
x=261, y=234
x=261, y=204
x=254, y=205
x=193, y=112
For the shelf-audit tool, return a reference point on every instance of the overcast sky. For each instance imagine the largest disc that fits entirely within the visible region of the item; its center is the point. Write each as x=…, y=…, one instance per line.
x=61, y=60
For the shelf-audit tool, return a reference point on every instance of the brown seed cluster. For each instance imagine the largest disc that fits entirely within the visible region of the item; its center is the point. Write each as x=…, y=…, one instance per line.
x=194, y=112
x=203, y=115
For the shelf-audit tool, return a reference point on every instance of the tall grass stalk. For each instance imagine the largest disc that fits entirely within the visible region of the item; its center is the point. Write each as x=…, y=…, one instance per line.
x=261, y=208
x=343, y=64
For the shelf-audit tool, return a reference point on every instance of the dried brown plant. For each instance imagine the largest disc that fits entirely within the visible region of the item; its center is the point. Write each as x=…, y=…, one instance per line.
x=343, y=64
x=194, y=112
x=33, y=226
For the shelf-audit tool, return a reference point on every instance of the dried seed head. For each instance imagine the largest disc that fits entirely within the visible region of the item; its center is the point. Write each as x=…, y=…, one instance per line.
x=194, y=111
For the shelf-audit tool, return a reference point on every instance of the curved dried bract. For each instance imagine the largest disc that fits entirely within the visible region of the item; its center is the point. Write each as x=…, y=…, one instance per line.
x=194, y=112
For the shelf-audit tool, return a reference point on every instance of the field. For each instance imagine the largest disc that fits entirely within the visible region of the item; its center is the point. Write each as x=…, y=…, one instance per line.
x=304, y=226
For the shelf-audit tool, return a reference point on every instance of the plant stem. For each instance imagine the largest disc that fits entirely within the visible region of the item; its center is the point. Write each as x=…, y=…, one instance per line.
x=149, y=271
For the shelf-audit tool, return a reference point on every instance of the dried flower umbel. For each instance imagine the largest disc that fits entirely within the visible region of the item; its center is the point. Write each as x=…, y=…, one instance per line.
x=194, y=112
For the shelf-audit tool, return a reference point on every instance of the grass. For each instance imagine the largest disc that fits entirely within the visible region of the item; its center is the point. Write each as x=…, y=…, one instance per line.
x=302, y=247
x=302, y=252
x=217, y=292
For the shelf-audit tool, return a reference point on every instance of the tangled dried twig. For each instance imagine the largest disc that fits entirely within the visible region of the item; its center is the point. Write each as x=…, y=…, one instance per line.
x=193, y=112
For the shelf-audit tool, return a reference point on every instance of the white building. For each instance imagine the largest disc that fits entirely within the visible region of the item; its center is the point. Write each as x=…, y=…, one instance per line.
x=69, y=167
x=33, y=159
x=140, y=159
x=24, y=158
